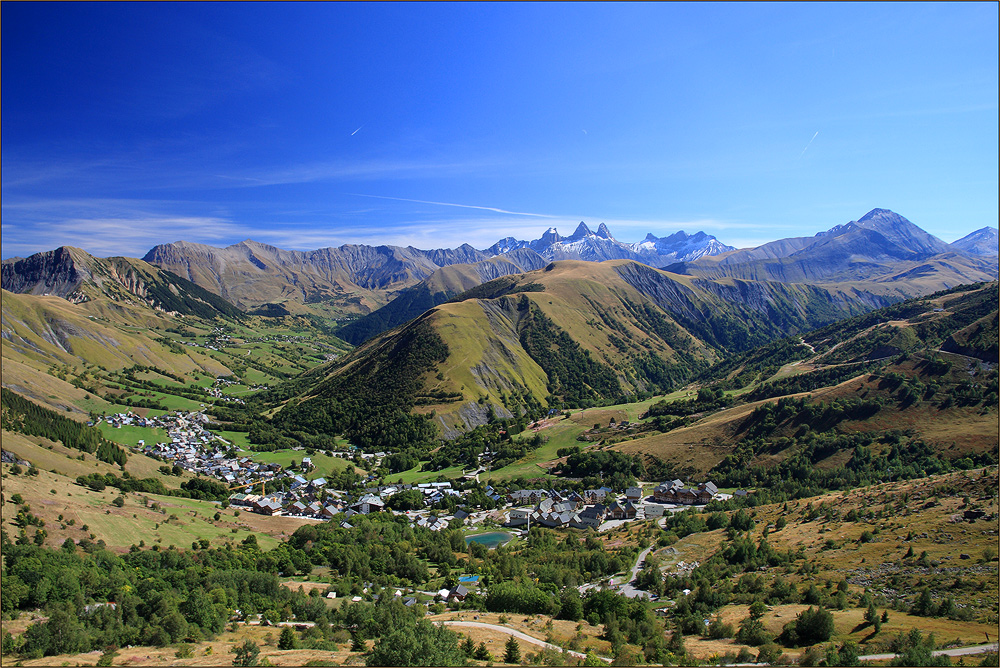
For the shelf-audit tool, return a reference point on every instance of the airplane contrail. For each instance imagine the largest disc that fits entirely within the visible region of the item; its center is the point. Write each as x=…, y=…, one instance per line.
x=356, y=131
x=463, y=206
x=809, y=144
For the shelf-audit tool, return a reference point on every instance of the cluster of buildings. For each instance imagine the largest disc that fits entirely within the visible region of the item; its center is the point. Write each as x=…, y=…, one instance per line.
x=593, y=507
x=194, y=448
x=674, y=491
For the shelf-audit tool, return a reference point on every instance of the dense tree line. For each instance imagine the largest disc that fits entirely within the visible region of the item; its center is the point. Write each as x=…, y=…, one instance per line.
x=370, y=401
x=573, y=375
x=21, y=415
x=159, y=597
x=196, y=488
x=707, y=399
x=609, y=467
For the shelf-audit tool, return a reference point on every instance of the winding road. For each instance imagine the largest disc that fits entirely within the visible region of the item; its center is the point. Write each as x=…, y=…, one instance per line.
x=958, y=651
x=519, y=635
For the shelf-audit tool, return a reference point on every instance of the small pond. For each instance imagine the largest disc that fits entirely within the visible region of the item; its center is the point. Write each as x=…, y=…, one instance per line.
x=490, y=540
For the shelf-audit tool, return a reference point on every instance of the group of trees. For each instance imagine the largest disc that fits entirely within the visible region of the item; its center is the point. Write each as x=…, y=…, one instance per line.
x=573, y=375
x=604, y=467
x=17, y=414
x=157, y=597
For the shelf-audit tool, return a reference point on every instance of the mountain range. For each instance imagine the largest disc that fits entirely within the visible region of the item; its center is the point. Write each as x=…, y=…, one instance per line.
x=598, y=246
x=571, y=320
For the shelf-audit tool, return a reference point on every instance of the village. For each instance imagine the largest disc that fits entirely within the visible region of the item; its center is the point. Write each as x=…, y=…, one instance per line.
x=290, y=492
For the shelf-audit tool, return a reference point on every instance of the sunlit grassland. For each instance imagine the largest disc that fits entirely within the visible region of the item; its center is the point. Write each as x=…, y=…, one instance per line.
x=415, y=475
x=324, y=464
x=131, y=434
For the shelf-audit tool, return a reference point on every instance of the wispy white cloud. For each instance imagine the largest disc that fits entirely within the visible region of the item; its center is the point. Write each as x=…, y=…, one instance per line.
x=463, y=206
x=107, y=227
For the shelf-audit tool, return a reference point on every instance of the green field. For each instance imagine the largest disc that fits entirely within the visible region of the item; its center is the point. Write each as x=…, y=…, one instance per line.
x=124, y=529
x=415, y=475
x=324, y=464
x=131, y=435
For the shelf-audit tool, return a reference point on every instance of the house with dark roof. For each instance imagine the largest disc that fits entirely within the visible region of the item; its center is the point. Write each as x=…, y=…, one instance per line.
x=458, y=593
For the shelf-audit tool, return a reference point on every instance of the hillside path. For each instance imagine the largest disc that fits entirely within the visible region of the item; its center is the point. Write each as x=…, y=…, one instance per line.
x=958, y=651
x=519, y=635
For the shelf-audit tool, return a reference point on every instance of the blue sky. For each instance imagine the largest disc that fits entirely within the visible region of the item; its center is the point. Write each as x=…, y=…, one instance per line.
x=311, y=125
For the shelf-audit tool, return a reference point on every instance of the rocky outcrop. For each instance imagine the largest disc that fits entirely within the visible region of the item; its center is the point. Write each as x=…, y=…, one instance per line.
x=58, y=272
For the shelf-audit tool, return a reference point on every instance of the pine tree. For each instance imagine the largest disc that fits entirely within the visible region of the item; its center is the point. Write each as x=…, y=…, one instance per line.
x=287, y=638
x=512, y=651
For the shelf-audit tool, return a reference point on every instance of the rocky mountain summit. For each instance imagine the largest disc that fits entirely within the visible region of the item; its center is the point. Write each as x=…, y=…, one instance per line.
x=584, y=244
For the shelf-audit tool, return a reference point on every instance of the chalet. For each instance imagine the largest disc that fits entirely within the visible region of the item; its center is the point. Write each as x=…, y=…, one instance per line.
x=523, y=496
x=239, y=500
x=633, y=494
x=298, y=508
x=616, y=511
x=563, y=507
x=594, y=496
x=329, y=511
x=664, y=492
x=654, y=510
x=458, y=593
x=267, y=507
x=461, y=515
x=369, y=503
x=685, y=496
x=631, y=510
x=593, y=516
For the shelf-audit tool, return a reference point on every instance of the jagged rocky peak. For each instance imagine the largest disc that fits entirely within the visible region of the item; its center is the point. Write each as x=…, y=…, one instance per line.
x=603, y=232
x=581, y=231
x=550, y=237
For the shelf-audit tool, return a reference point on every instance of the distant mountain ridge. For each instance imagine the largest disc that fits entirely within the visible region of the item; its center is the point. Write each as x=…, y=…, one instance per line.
x=78, y=277
x=984, y=241
x=880, y=246
x=356, y=278
x=601, y=245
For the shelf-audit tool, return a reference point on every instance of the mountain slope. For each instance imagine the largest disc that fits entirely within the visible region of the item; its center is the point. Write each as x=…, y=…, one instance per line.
x=578, y=333
x=439, y=287
x=882, y=246
x=983, y=241
x=348, y=279
x=910, y=374
x=79, y=277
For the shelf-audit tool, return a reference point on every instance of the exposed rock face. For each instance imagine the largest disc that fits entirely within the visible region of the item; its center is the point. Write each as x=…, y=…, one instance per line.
x=76, y=276
x=57, y=272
